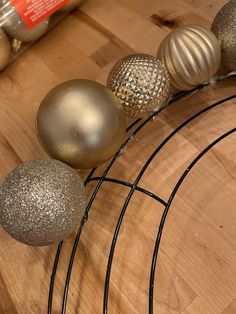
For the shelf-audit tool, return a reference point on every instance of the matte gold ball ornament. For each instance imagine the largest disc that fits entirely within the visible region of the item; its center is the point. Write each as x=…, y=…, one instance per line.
x=191, y=55
x=5, y=50
x=140, y=82
x=41, y=202
x=224, y=27
x=81, y=123
x=15, y=27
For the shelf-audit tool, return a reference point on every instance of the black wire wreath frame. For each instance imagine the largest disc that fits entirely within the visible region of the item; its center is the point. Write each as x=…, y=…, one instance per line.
x=134, y=187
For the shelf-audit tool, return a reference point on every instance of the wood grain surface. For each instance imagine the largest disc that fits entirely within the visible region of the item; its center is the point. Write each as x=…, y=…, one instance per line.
x=196, y=266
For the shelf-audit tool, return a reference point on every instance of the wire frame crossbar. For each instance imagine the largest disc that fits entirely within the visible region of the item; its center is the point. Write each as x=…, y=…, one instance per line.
x=135, y=128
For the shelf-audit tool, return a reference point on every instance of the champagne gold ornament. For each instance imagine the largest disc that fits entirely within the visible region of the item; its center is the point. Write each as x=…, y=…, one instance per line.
x=15, y=27
x=191, y=55
x=70, y=5
x=81, y=123
x=224, y=27
x=140, y=82
x=41, y=202
x=5, y=50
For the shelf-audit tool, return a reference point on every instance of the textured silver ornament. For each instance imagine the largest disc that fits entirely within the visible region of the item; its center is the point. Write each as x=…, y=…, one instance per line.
x=15, y=27
x=140, y=82
x=224, y=27
x=41, y=202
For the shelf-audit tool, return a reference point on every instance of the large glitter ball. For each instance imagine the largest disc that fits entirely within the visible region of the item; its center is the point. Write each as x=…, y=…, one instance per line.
x=224, y=27
x=141, y=83
x=41, y=202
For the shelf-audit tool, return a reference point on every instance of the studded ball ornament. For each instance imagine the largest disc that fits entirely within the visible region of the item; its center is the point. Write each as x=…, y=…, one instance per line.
x=41, y=202
x=224, y=27
x=81, y=123
x=140, y=82
x=5, y=50
x=15, y=27
x=191, y=55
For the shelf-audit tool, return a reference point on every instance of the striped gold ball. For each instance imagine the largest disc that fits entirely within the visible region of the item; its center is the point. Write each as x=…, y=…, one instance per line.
x=191, y=55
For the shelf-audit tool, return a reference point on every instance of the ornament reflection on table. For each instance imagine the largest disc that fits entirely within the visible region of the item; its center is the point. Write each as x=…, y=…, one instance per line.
x=81, y=123
x=41, y=202
x=191, y=55
x=140, y=82
x=224, y=27
x=5, y=50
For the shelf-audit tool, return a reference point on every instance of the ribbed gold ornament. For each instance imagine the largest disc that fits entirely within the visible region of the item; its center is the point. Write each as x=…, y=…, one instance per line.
x=5, y=50
x=191, y=55
x=140, y=82
x=224, y=27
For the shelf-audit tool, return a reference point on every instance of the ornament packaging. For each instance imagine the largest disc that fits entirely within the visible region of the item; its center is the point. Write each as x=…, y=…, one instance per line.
x=24, y=22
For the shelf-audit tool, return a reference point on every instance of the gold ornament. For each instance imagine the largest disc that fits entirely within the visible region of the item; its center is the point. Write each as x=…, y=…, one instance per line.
x=41, y=202
x=81, y=123
x=224, y=27
x=15, y=27
x=70, y=5
x=191, y=55
x=140, y=82
x=5, y=50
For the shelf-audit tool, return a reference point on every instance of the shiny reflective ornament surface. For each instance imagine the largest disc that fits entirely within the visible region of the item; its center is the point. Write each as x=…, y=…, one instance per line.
x=81, y=123
x=5, y=50
x=140, y=82
x=224, y=27
x=70, y=5
x=15, y=27
x=41, y=202
x=191, y=55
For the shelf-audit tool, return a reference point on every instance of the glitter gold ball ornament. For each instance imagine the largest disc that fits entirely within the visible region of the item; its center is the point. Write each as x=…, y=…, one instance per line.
x=15, y=27
x=191, y=55
x=41, y=202
x=81, y=123
x=70, y=5
x=224, y=27
x=140, y=82
x=5, y=50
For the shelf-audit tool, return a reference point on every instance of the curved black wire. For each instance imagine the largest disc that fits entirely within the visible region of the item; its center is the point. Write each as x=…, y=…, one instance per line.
x=97, y=188
x=66, y=288
x=165, y=213
x=138, y=188
x=134, y=186
x=54, y=270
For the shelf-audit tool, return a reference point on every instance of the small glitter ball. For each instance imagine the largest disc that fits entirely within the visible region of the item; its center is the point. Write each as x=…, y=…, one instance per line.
x=41, y=202
x=141, y=83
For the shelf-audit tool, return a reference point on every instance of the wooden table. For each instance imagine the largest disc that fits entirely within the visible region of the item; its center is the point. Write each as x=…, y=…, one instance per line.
x=196, y=265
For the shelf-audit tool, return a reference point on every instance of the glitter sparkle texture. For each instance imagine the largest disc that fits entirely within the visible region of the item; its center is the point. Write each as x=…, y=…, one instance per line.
x=41, y=202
